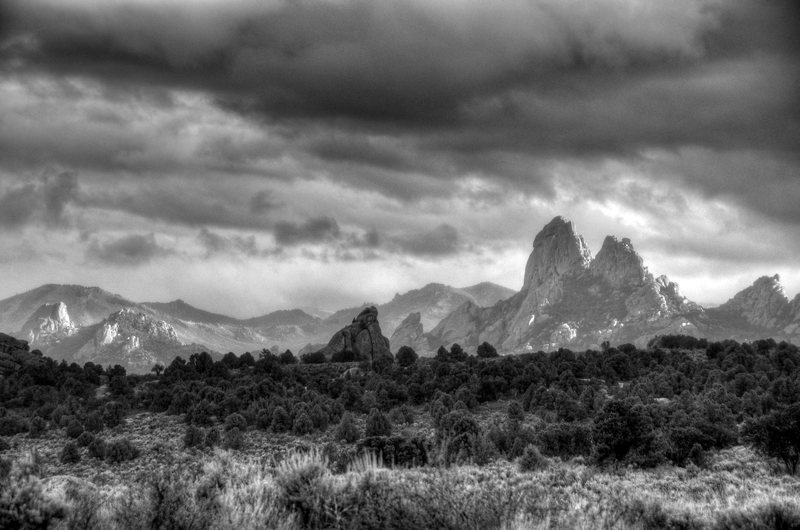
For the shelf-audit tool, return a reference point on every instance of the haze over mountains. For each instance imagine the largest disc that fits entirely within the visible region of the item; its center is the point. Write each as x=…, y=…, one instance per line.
x=107, y=328
x=569, y=299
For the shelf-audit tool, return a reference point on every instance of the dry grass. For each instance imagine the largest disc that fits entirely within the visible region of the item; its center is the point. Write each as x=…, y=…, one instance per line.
x=280, y=481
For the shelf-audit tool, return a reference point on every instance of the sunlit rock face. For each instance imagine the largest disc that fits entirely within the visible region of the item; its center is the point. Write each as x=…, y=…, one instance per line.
x=763, y=304
x=132, y=339
x=570, y=299
x=363, y=337
x=49, y=324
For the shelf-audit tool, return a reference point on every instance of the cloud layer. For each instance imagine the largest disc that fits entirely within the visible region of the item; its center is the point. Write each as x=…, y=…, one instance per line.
x=398, y=134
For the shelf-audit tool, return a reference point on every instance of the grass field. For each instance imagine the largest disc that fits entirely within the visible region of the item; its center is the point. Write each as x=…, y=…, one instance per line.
x=285, y=481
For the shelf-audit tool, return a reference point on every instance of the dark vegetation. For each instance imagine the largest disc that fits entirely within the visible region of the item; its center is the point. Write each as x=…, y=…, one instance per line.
x=669, y=403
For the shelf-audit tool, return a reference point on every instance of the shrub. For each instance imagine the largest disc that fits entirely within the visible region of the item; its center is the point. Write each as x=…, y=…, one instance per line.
x=486, y=351
x=457, y=434
x=57, y=413
x=313, y=358
x=565, y=440
x=377, y=424
x=347, y=429
x=70, y=454
x=319, y=417
x=114, y=413
x=467, y=396
x=406, y=356
x=213, y=438
x=97, y=448
x=771, y=515
x=515, y=412
x=10, y=424
x=23, y=503
x=281, y=422
x=193, y=437
x=94, y=422
x=697, y=455
x=303, y=488
x=402, y=414
x=37, y=427
x=74, y=429
x=302, y=424
x=777, y=435
x=85, y=439
x=4, y=445
x=234, y=439
x=120, y=450
x=235, y=421
x=200, y=414
x=396, y=450
x=531, y=460
x=287, y=357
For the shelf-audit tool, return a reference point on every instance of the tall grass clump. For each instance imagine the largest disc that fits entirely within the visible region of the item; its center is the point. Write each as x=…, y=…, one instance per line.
x=303, y=486
x=23, y=503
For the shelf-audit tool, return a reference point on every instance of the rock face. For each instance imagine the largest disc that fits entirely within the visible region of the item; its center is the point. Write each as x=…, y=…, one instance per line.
x=48, y=325
x=763, y=304
x=410, y=333
x=570, y=300
x=15, y=354
x=127, y=337
x=363, y=337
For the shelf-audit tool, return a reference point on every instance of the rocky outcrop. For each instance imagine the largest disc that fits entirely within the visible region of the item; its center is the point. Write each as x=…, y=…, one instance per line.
x=48, y=324
x=792, y=329
x=619, y=264
x=410, y=333
x=764, y=304
x=570, y=300
x=15, y=354
x=557, y=251
x=363, y=337
x=127, y=337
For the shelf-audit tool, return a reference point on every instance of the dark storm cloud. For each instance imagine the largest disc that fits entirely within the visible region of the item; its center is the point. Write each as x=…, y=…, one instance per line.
x=311, y=231
x=129, y=250
x=174, y=201
x=44, y=201
x=534, y=75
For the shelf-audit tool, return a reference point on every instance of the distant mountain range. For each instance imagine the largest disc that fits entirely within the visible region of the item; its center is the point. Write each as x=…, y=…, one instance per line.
x=81, y=324
x=569, y=299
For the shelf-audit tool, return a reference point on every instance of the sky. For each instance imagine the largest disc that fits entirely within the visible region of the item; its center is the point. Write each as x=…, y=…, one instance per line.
x=254, y=155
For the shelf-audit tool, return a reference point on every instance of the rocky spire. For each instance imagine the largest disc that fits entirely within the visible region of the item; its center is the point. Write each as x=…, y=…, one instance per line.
x=50, y=323
x=557, y=250
x=410, y=333
x=618, y=263
x=763, y=304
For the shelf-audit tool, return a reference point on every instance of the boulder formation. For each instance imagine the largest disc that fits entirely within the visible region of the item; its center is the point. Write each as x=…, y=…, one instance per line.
x=15, y=354
x=363, y=337
x=49, y=324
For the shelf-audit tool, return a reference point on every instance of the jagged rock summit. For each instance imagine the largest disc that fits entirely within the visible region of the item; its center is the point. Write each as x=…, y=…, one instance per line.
x=363, y=337
x=48, y=325
x=410, y=333
x=570, y=299
x=764, y=304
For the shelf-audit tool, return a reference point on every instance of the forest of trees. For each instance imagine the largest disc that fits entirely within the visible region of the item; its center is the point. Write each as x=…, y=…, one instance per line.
x=671, y=402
